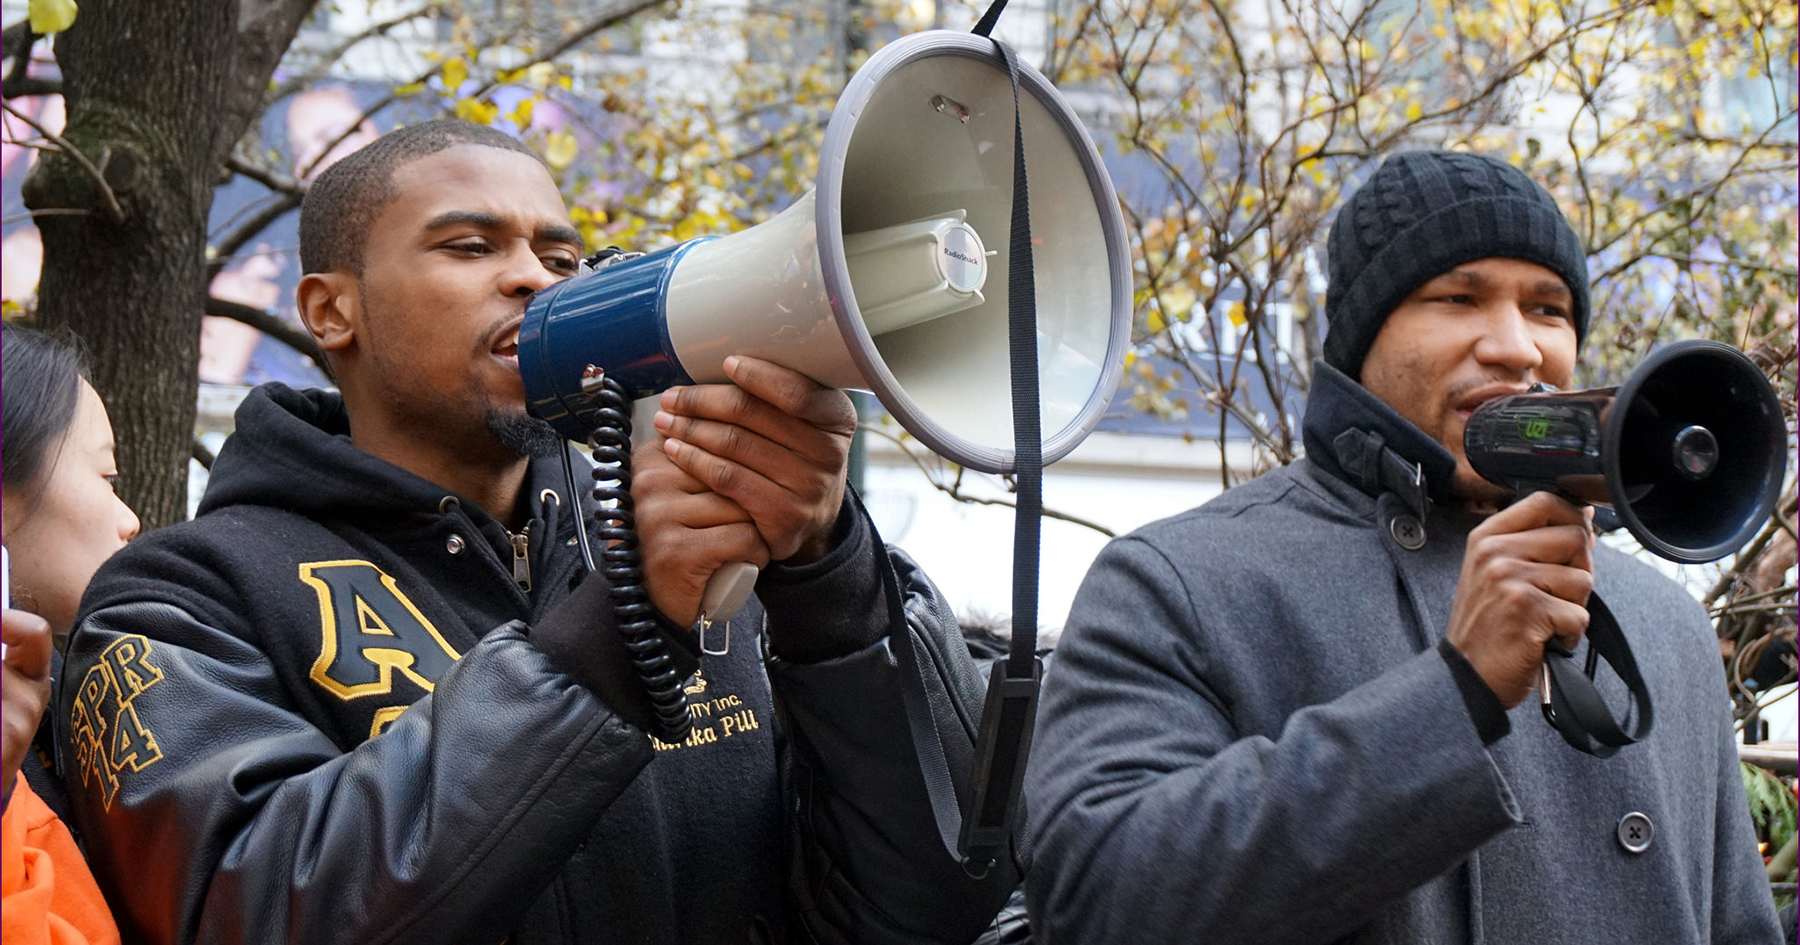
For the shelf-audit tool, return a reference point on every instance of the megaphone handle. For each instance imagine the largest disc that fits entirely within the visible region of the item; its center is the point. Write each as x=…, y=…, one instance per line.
x=724, y=596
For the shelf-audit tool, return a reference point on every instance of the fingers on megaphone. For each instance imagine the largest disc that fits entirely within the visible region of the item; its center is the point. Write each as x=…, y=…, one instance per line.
x=794, y=394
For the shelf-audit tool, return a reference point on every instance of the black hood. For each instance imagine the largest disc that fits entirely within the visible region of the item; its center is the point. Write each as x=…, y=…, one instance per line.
x=1337, y=405
x=292, y=451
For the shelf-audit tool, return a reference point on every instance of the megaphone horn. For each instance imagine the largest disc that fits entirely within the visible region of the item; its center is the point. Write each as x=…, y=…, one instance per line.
x=879, y=279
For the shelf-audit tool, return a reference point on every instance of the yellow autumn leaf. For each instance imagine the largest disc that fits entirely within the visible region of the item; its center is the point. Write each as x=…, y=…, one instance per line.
x=521, y=116
x=1177, y=300
x=1413, y=111
x=1236, y=313
x=559, y=149
x=477, y=111
x=1665, y=7
x=51, y=16
x=1155, y=320
x=455, y=73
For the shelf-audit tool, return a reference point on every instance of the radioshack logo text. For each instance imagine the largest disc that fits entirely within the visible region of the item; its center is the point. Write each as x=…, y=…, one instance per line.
x=104, y=726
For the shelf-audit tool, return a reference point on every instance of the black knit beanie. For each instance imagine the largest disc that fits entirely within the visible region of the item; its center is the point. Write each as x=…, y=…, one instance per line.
x=1423, y=214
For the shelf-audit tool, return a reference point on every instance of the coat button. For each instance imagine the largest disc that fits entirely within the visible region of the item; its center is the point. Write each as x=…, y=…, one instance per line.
x=1407, y=532
x=454, y=544
x=1635, y=832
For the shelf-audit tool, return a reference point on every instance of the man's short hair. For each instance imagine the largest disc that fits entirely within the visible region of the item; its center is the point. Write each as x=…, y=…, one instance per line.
x=342, y=203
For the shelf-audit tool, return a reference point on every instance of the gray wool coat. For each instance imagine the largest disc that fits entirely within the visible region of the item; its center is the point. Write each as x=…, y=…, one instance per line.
x=1248, y=735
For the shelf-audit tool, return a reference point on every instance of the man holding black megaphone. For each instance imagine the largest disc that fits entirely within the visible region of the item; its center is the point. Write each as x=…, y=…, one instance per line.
x=1300, y=712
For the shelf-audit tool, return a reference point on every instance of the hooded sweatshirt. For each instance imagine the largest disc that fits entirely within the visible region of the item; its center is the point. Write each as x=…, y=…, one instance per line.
x=319, y=713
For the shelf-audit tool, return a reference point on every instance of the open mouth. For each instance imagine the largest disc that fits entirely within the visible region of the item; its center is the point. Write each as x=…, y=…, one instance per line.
x=507, y=348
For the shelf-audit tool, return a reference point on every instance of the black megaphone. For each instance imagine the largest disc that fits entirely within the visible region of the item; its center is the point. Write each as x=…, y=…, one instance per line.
x=1689, y=454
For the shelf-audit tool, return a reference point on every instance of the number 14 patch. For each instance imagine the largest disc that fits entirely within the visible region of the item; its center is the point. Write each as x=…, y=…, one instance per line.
x=105, y=729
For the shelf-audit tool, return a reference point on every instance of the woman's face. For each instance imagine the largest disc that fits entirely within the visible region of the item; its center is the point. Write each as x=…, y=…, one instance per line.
x=59, y=530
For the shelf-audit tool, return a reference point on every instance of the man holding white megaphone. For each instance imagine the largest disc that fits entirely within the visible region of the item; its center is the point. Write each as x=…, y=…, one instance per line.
x=272, y=769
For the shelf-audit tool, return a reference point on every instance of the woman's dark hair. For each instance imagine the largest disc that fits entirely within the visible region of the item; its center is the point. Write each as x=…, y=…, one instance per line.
x=40, y=385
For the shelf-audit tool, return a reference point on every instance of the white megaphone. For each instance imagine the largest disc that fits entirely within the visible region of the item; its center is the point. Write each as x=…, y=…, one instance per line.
x=891, y=276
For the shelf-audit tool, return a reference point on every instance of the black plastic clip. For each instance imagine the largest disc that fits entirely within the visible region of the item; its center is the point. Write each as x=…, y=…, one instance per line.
x=1007, y=721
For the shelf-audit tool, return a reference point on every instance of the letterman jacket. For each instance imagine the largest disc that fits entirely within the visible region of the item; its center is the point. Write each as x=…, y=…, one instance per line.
x=316, y=714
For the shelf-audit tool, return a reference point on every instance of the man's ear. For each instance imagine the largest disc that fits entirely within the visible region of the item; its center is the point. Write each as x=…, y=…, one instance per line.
x=330, y=305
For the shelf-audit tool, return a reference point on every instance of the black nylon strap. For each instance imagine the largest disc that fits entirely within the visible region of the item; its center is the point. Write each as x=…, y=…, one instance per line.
x=980, y=833
x=989, y=18
x=1028, y=446
x=1010, y=711
x=1574, y=707
x=940, y=789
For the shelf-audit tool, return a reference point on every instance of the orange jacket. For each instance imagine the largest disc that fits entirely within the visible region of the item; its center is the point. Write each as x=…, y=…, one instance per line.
x=50, y=897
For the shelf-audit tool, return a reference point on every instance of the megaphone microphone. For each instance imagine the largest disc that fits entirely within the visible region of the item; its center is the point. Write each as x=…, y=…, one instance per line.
x=1689, y=453
x=920, y=269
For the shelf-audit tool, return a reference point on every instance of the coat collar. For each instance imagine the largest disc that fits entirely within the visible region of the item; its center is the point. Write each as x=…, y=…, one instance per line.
x=1351, y=435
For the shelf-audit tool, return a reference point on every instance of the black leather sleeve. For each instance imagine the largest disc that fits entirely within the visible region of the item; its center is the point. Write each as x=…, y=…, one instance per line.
x=868, y=865
x=214, y=812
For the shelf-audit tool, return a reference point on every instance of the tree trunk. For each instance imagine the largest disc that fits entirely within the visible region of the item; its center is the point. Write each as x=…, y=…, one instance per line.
x=157, y=92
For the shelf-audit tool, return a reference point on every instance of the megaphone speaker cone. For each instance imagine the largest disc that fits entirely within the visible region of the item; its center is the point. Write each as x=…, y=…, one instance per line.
x=1697, y=450
x=925, y=130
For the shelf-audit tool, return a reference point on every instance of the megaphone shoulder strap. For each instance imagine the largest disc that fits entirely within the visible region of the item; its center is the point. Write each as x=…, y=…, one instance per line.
x=978, y=833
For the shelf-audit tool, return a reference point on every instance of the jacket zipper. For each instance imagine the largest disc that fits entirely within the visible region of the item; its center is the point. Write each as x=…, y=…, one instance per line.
x=521, y=545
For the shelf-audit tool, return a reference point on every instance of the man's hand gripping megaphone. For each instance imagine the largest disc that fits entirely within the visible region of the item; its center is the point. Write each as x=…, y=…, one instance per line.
x=747, y=472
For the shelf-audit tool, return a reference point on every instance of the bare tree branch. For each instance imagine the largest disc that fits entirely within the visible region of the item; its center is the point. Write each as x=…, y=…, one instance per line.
x=246, y=231
x=954, y=489
x=266, y=28
x=19, y=85
x=270, y=325
x=273, y=179
x=52, y=212
x=26, y=86
x=18, y=39
x=622, y=11
x=306, y=79
x=94, y=173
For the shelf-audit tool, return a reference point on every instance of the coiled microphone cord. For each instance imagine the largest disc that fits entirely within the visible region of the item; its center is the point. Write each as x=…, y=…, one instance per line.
x=633, y=614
